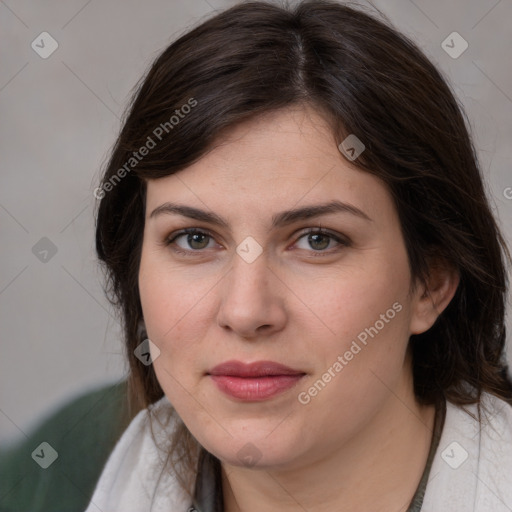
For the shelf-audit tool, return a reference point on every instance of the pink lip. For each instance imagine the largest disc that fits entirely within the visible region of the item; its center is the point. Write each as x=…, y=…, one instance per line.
x=255, y=381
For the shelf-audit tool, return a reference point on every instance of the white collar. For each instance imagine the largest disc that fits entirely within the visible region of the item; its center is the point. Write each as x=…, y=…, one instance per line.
x=133, y=480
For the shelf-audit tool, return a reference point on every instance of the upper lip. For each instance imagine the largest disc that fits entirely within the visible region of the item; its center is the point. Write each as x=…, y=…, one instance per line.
x=256, y=369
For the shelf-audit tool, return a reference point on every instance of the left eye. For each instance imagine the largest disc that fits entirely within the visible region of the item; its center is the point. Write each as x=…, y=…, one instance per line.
x=319, y=240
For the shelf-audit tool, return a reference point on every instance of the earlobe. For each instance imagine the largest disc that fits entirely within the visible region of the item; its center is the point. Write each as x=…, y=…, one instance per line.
x=432, y=297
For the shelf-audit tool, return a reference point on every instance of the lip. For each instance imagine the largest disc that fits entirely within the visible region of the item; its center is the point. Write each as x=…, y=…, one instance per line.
x=257, y=369
x=256, y=381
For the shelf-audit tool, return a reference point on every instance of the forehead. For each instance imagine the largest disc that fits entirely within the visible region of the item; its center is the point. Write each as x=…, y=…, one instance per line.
x=272, y=162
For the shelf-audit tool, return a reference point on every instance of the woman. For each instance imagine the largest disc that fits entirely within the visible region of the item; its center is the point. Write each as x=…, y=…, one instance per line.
x=294, y=225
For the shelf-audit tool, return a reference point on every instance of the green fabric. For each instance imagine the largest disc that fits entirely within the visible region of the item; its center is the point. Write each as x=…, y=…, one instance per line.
x=84, y=433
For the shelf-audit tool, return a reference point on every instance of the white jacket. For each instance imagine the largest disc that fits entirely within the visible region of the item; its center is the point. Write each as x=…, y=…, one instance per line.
x=471, y=472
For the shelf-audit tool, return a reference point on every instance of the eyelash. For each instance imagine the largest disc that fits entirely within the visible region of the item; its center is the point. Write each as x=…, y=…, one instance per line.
x=344, y=242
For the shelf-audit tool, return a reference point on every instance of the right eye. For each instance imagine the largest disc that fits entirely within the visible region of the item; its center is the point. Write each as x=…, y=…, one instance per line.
x=193, y=237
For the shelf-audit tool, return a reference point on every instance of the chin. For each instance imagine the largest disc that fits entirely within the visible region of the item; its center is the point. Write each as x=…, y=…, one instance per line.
x=250, y=449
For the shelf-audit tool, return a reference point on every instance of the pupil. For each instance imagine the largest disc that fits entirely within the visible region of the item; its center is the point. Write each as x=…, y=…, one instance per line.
x=192, y=241
x=321, y=236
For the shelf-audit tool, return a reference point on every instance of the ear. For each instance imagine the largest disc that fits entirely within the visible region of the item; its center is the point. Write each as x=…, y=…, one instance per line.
x=431, y=298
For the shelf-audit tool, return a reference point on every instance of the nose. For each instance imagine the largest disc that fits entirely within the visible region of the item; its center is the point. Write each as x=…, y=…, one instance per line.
x=252, y=299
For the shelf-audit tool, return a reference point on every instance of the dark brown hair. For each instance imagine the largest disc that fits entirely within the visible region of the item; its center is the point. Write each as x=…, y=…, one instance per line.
x=367, y=79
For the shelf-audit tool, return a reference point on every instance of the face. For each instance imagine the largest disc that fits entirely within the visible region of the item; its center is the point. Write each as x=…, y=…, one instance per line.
x=334, y=307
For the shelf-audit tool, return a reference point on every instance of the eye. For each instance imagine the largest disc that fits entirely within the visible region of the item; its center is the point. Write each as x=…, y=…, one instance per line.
x=194, y=240
x=319, y=239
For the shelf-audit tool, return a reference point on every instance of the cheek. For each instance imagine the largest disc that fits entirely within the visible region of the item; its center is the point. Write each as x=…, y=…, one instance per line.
x=168, y=327
x=366, y=314
x=169, y=294
x=161, y=308
x=359, y=299
x=359, y=372
x=170, y=310
x=176, y=308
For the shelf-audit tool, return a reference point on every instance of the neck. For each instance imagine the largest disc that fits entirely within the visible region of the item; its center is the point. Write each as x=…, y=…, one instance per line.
x=378, y=469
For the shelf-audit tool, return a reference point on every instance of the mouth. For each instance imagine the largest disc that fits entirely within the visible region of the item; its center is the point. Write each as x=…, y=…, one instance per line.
x=256, y=381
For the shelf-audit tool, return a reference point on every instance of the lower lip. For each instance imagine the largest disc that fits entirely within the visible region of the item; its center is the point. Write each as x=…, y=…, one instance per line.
x=255, y=388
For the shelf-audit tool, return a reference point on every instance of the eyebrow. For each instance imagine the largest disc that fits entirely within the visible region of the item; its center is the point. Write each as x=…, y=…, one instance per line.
x=280, y=219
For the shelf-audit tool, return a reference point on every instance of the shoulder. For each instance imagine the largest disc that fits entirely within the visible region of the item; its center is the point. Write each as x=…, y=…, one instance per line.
x=134, y=478
x=472, y=468
x=497, y=423
x=493, y=422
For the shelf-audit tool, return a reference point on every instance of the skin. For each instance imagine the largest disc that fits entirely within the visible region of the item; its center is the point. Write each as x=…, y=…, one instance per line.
x=362, y=442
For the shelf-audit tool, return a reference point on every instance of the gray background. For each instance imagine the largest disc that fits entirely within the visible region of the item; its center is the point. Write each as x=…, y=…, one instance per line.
x=60, y=117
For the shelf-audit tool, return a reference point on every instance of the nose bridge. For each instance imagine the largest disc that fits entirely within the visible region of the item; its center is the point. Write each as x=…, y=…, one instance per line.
x=249, y=297
x=249, y=275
